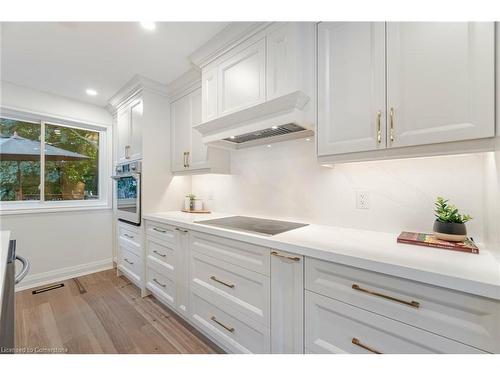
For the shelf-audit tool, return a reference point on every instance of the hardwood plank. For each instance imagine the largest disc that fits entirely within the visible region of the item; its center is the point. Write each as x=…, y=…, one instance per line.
x=103, y=313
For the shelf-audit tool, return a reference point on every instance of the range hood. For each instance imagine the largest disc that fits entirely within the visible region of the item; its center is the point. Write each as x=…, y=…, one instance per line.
x=279, y=119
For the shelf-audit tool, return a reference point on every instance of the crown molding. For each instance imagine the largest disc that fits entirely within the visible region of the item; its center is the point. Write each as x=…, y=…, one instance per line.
x=132, y=88
x=186, y=83
x=226, y=39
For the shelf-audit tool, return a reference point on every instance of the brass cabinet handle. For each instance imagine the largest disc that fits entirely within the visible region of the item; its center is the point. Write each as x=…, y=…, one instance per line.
x=276, y=254
x=160, y=254
x=127, y=155
x=230, y=329
x=355, y=341
x=128, y=235
x=181, y=230
x=128, y=261
x=160, y=284
x=159, y=230
x=186, y=159
x=392, y=124
x=221, y=282
x=379, y=129
x=408, y=303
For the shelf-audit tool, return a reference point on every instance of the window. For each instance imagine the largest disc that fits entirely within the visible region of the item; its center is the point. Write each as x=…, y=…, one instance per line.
x=67, y=170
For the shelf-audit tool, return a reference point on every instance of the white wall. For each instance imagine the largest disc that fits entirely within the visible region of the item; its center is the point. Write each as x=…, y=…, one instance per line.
x=285, y=181
x=59, y=244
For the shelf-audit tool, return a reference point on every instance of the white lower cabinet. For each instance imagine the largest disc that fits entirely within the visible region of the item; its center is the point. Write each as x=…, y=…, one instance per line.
x=130, y=255
x=287, y=296
x=252, y=299
x=336, y=327
x=233, y=331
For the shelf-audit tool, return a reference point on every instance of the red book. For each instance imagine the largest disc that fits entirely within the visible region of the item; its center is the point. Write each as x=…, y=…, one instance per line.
x=425, y=239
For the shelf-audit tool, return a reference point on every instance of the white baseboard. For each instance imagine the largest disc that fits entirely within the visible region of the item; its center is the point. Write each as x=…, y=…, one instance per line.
x=61, y=274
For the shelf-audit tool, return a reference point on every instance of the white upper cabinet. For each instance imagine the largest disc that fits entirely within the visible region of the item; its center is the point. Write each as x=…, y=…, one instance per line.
x=382, y=87
x=440, y=81
x=180, y=121
x=189, y=153
x=122, y=134
x=129, y=132
x=351, y=87
x=242, y=79
x=136, y=130
x=209, y=95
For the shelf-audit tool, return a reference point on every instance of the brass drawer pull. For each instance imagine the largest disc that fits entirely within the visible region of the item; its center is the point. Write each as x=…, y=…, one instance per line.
x=230, y=329
x=160, y=230
x=221, y=282
x=276, y=254
x=410, y=303
x=160, y=254
x=379, y=129
x=355, y=341
x=181, y=230
x=160, y=284
x=128, y=235
x=128, y=261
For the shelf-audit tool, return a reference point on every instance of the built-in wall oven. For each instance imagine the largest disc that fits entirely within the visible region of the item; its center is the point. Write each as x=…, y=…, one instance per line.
x=128, y=192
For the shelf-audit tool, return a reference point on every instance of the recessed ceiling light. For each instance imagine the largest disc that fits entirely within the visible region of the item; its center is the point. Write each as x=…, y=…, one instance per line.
x=308, y=139
x=148, y=25
x=91, y=92
x=232, y=137
x=268, y=146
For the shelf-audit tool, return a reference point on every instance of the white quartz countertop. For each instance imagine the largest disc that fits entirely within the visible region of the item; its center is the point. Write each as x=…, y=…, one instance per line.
x=4, y=250
x=376, y=251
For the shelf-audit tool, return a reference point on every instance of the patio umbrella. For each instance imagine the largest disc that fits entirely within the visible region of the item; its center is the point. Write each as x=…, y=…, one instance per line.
x=17, y=148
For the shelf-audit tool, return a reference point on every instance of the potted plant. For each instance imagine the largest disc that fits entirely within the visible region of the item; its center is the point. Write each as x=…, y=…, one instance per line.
x=449, y=224
x=189, y=202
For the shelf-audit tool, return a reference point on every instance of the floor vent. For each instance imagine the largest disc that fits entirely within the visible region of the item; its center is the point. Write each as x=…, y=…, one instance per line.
x=47, y=288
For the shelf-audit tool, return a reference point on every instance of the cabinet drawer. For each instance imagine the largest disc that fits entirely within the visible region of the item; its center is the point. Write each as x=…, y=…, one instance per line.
x=224, y=283
x=161, y=286
x=336, y=327
x=234, y=333
x=252, y=257
x=130, y=263
x=160, y=255
x=160, y=231
x=130, y=237
x=470, y=319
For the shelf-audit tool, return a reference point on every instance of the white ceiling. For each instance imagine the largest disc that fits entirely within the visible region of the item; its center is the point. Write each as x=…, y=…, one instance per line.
x=66, y=58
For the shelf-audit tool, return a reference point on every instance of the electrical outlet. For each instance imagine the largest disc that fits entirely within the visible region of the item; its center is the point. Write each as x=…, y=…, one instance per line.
x=362, y=200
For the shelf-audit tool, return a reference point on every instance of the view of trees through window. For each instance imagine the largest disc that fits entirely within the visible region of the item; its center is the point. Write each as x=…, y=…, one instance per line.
x=71, y=167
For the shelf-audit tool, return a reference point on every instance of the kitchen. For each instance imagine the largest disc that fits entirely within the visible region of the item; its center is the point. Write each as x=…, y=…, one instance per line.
x=262, y=188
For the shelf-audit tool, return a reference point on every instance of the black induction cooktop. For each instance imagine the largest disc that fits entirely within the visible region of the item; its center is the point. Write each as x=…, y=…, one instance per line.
x=253, y=224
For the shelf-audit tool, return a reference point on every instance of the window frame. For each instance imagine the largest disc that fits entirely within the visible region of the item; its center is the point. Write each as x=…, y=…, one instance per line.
x=104, y=167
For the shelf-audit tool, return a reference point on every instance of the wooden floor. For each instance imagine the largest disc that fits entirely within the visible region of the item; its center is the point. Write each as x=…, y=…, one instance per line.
x=101, y=313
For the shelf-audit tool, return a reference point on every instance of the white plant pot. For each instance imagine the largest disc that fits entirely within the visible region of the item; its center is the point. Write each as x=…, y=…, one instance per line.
x=198, y=205
x=187, y=204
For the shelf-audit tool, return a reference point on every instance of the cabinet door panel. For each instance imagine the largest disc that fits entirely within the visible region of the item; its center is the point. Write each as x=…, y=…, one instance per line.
x=351, y=87
x=180, y=115
x=136, y=130
x=282, y=61
x=123, y=131
x=209, y=95
x=242, y=79
x=440, y=81
x=198, y=157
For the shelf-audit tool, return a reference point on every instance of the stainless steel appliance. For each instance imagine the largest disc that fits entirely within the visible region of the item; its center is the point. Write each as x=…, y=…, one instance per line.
x=8, y=302
x=128, y=192
x=253, y=224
